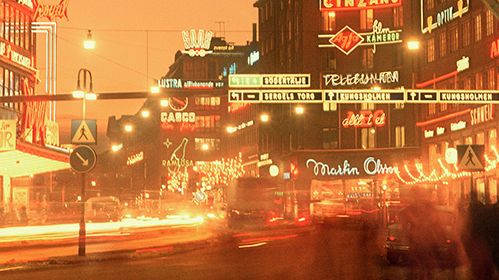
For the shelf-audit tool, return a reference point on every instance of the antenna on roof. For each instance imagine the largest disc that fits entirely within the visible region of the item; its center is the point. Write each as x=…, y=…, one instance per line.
x=221, y=29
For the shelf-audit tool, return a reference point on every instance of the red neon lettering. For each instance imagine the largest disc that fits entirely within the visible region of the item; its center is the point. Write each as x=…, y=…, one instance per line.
x=50, y=11
x=365, y=119
x=339, y=5
x=34, y=116
x=494, y=49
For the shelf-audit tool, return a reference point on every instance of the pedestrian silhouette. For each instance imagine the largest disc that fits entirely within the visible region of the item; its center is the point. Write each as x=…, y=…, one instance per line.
x=470, y=159
x=83, y=134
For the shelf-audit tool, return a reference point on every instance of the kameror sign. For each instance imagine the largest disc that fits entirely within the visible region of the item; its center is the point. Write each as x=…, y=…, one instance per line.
x=371, y=166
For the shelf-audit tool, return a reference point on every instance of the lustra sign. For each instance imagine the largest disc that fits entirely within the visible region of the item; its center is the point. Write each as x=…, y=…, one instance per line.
x=372, y=166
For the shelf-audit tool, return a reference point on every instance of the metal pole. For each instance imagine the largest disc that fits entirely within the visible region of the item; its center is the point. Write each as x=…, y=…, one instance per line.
x=83, y=234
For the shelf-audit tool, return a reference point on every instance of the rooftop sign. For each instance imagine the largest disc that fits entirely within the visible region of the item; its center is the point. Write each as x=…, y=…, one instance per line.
x=346, y=5
x=433, y=21
x=269, y=80
x=197, y=44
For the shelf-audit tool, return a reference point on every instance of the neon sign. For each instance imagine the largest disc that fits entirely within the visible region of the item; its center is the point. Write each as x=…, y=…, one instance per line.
x=189, y=84
x=463, y=64
x=51, y=11
x=458, y=126
x=33, y=118
x=482, y=114
x=347, y=40
x=365, y=119
x=253, y=58
x=133, y=159
x=442, y=17
x=7, y=135
x=197, y=44
x=371, y=166
x=15, y=57
x=178, y=117
x=387, y=77
x=429, y=133
x=177, y=159
x=345, y=5
x=494, y=49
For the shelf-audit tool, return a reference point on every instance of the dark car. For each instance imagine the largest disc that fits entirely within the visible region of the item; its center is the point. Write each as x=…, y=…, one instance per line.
x=435, y=232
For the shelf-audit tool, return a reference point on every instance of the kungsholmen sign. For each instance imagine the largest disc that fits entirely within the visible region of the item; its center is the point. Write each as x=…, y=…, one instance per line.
x=372, y=166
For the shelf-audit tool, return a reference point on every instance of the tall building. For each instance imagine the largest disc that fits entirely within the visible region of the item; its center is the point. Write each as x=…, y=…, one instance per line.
x=182, y=134
x=459, y=50
x=29, y=136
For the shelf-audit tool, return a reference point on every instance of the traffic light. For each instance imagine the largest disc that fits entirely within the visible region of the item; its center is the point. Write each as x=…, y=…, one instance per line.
x=293, y=170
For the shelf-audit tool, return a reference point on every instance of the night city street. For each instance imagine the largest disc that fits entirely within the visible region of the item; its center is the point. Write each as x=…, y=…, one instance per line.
x=249, y=139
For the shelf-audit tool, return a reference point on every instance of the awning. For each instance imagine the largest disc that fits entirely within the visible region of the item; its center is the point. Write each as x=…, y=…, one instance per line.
x=29, y=159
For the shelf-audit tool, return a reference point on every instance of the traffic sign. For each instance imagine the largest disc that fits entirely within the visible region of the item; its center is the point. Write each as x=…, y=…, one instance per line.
x=470, y=157
x=246, y=96
x=361, y=96
x=82, y=159
x=421, y=96
x=84, y=131
x=291, y=96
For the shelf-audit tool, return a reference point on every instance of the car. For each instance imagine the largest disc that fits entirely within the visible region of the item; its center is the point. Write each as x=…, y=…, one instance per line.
x=435, y=230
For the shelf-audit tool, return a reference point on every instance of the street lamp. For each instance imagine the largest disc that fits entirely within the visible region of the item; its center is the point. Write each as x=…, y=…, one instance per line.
x=145, y=113
x=264, y=117
x=413, y=45
x=89, y=43
x=299, y=110
x=80, y=92
x=205, y=147
x=155, y=89
x=116, y=147
x=164, y=102
x=128, y=128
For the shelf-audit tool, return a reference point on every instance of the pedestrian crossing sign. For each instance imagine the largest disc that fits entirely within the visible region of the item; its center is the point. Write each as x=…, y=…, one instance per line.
x=470, y=157
x=84, y=131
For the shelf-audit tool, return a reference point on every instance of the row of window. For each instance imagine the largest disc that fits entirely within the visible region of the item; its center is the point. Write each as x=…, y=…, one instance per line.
x=10, y=85
x=15, y=26
x=208, y=102
x=450, y=40
x=330, y=137
x=212, y=121
x=363, y=106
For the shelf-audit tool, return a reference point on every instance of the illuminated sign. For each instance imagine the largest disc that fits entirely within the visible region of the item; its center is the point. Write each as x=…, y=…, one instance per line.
x=177, y=159
x=429, y=133
x=33, y=117
x=482, y=114
x=51, y=11
x=456, y=96
x=345, y=5
x=463, y=64
x=222, y=48
x=494, y=49
x=347, y=40
x=188, y=84
x=133, y=159
x=178, y=117
x=387, y=77
x=361, y=96
x=253, y=57
x=264, y=160
x=443, y=16
x=27, y=3
x=245, y=96
x=232, y=129
x=269, y=80
x=440, y=130
x=7, y=135
x=197, y=44
x=52, y=133
x=365, y=119
x=371, y=166
x=458, y=126
x=291, y=96
x=17, y=58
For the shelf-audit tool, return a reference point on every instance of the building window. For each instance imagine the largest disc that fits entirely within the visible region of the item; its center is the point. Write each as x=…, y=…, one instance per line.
x=367, y=58
x=367, y=106
x=328, y=21
x=329, y=138
x=400, y=136
x=443, y=44
x=467, y=83
x=2, y=20
x=478, y=80
x=466, y=33
x=492, y=190
x=207, y=144
x=368, y=138
x=330, y=61
x=204, y=122
x=443, y=107
x=207, y=102
x=478, y=28
x=430, y=5
x=432, y=109
x=398, y=16
x=399, y=106
x=480, y=138
x=468, y=140
x=491, y=76
x=366, y=19
x=430, y=50
x=489, y=26
x=454, y=39
x=328, y=106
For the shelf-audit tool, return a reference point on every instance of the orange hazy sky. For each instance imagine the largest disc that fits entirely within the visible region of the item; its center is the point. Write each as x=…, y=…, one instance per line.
x=119, y=61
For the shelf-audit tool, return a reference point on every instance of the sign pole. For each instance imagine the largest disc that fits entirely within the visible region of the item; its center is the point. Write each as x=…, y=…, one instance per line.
x=83, y=234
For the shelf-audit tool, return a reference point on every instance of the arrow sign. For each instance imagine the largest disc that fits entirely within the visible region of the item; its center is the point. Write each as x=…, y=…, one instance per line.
x=82, y=159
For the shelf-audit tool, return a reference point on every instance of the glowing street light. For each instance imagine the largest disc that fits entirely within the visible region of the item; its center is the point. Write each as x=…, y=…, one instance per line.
x=128, y=128
x=145, y=113
x=451, y=155
x=264, y=117
x=116, y=147
x=205, y=147
x=299, y=110
x=163, y=102
x=155, y=89
x=413, y=45
x=89, y=43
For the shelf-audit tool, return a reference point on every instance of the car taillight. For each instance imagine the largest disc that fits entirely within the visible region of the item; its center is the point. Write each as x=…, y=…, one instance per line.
x=391, y=238
x=302, y=219
x=448, y=241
